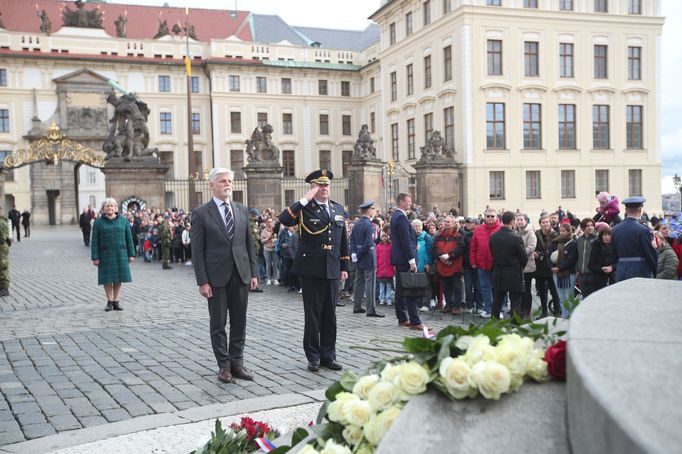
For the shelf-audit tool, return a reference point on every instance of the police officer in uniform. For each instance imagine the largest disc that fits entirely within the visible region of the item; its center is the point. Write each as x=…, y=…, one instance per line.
x=632, y=243
x=363, y=254
x=321, y=260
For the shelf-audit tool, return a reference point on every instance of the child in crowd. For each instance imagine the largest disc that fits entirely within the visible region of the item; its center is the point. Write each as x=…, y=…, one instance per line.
x=385, y=271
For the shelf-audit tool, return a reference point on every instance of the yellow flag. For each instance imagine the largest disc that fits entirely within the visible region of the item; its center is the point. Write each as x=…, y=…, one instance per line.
x=188, y=66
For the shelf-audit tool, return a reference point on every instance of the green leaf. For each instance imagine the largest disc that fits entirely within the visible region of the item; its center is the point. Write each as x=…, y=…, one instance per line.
x=348, y=380
x=299, y=435
x=327, y=431
x=456, y=331
x=333, y=390
x=418, y=344
x=322, y=413
x=444, y=351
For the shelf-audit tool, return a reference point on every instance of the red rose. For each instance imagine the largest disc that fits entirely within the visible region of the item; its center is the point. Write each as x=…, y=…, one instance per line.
x=555, y=357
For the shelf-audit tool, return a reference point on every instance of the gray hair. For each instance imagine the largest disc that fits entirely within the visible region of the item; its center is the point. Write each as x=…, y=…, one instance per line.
x=418, y=222
x=109, y=201
x=213, y=174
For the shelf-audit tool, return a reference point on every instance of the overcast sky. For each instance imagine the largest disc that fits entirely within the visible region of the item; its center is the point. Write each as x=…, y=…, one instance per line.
x=352, y=15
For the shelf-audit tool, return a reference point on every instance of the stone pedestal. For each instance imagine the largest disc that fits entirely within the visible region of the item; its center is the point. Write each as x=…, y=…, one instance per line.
x=438, y=183
x=264, y=186
x=141, y=180
x=364, y=183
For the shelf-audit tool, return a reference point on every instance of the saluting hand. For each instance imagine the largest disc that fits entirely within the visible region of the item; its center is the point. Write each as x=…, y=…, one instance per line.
x=311, y=193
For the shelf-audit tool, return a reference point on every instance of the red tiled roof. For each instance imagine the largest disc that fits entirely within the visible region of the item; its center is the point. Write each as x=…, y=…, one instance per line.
x=143, y=21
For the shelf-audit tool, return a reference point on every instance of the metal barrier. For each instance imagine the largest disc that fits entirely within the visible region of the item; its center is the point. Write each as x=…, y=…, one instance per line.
x=396, y=180
x=177, y=192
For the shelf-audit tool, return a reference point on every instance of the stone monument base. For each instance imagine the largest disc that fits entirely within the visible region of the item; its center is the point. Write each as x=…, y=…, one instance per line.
x=265, y=186
x=364, y=183
x=438, y=183
x=141, y=180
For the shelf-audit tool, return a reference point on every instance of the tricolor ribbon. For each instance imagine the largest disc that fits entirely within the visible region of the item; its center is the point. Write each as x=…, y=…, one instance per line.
x=265, y=444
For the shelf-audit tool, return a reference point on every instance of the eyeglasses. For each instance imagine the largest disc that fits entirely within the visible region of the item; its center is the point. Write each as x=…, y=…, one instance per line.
x=490, y=215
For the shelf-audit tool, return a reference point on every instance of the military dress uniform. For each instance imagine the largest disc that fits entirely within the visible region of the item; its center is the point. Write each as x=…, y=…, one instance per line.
x=632, y=243
x=166, y=235
x=321, y=257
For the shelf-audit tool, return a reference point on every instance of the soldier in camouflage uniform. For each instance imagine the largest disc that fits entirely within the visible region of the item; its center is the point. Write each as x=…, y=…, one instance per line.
x=253, y=222
x=165, y=237
x=5, y=242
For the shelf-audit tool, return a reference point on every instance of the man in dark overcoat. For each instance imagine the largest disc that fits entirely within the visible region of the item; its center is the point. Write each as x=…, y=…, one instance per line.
x=363, y=254
x=632, y=243
x=84, y=222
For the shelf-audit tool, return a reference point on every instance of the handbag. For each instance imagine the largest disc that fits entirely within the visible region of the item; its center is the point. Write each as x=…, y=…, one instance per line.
x=413, y=285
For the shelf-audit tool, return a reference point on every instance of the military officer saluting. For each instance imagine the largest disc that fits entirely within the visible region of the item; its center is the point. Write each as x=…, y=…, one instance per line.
x=632, y=243
x=321, y=260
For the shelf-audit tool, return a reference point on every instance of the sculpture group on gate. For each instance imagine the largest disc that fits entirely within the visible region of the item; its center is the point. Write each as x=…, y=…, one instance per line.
x=435, y=149
x=364, y=146
x=80, y=17
x=128, y=134
x=259, y=148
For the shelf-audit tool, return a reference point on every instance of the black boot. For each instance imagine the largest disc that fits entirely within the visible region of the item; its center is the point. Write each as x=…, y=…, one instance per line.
x=117, y=306
x=110, y=306
x=4, y=292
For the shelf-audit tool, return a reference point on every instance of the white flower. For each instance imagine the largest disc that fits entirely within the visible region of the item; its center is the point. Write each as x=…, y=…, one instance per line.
x=357, y=412
x=455, y=373
x=383, y=395
x=463, y=342
x=516, y=382
x=366, y=449
x=537, y=367
x=479, y=350
x=308, y=449
x=332, y=447
x=513, y=356
x=352, y=435
x=365, y=385
x=412, y=378
x=491, y=378
x=379, y=424
x=335, y=410
x=390, y=372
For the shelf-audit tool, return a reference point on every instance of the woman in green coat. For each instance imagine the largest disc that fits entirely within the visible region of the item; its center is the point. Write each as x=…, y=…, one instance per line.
x=112, y=249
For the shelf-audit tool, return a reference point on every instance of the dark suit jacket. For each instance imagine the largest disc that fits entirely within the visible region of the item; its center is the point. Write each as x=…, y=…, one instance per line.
x=362, y=244
x=214, y=256
x=403, y=241
x=509, y=259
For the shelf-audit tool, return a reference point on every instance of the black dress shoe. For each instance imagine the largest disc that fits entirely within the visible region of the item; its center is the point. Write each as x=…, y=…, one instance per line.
x=314, y=367
x=110, y=306
x=340, y=304
x=376, y=314
x=359, y=311
x=241, y=373
x=332, y=365
x=116, y=305
x=224, y=375
x=256, y=290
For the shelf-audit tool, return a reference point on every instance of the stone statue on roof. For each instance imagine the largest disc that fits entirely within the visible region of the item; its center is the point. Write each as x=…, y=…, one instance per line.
x=163, y=29
x=435, y=150
x=176, y=29
x=45, y=22
x=364, y=146
x=260, y=149
x=121, y=23
x=80, y=17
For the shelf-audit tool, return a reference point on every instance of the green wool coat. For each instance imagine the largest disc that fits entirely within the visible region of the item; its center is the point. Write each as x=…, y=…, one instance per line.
x=112, y=244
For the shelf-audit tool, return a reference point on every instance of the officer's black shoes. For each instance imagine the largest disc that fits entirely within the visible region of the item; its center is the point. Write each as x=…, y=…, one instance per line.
x=359, y=311
x=376, y=314
x=340, y=304
x=110, y=306
x=117, y=306
x=314, y=367
x=333, y=365
x=256, y=290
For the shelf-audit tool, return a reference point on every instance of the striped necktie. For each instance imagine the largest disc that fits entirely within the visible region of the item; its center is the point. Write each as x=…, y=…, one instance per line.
x=229, y=221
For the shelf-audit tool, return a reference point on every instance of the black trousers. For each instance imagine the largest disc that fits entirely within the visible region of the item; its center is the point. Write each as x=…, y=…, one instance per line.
x=17, y=228
x=86, y=236
x=319, y=305
x=527, y=300
x=515, y=299
x=231, y=299
x=542, y=284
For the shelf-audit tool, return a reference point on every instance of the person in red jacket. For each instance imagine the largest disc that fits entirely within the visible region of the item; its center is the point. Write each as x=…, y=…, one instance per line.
x=448, y=247
x=385, y=271
x=482, y=260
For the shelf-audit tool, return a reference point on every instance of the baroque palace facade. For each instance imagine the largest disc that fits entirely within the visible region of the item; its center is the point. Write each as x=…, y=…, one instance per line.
x=545, y=102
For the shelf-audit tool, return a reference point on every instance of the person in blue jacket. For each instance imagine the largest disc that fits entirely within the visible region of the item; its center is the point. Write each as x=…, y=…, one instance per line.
x=633, y=245
x=363, y=254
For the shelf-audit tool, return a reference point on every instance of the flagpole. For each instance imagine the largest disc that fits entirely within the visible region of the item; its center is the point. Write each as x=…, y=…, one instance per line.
x=192, y=195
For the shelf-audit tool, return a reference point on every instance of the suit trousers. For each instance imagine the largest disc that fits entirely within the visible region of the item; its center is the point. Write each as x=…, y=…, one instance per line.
x=405, y=307
x=516, y=299
x=231, y=299
x=364, y=287
x=319, y=305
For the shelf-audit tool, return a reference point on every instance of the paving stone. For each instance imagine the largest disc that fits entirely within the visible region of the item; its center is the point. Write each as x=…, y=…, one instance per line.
x=64, y=422
x=115, y=414
x=30, y=418
x=9, y=437
x=89, y=421
x=38, y=430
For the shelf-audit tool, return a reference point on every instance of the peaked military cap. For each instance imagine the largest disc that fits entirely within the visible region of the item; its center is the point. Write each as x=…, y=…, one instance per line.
x=367, y=204
x=634, y=202
x=322, y=177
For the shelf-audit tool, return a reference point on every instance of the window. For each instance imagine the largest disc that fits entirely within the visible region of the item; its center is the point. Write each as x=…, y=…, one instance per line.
x=235, y=122
x=287, y=123
x=237, y=163
x=449, y=127
x=345, y=88
x=372, y=122
x=4, y=120
x=391, y=33
x=566, y=5
x=198, y=161
x=234, y=83
x=371, y=85
x=325, y=159
x=194, y=84
x=408, y=24
x=567, y=126
x=447, y=6
x=166, y=158
x=262, y=119
x=322, y=87
x=411, y=145
x=494, y=57
x=166, y=127
x=410, y=80
x=92, y=176
x=426, y=12
x=634, y=182
x=3, y=77
x=532, y=125
x=92, y=200
x=533, y=184
x=164, y=84
x=493, y=2
x=427, y=71
x=635, y=7
x=495, y=128
x=601, y=6
x=600, y=127
x=324, y=124
x=568, y=184
x=286, y=86
x=530, y=3
x=600, y=61
x=261, y=84
x=345, y=125
x=634, y=63
x=531, y=57
x=428, y=126
x=447, y=63
x=394, y=86
x=633, y=127
x=496, y=183
x=345, y=162
x=566, y=60
x=196, y=123
x=289, y=163
x=394, y=142
x=601, y=180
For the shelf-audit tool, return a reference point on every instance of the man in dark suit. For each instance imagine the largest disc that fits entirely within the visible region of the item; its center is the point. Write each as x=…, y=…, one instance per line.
x=321, y=260
x=403, y=258
x=84, y=222
x=632, y=242
x=363, y=254
x=225, y=267
x=14, y=215
x=509, y=259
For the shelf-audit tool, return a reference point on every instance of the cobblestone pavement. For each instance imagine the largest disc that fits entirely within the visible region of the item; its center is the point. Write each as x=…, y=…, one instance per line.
x=65, y=364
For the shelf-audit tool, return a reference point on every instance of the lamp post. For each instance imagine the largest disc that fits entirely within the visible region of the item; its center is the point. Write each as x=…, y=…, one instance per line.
x=678, y=189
